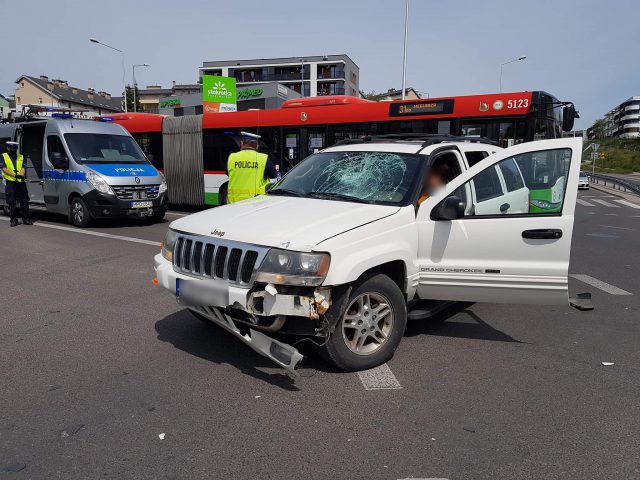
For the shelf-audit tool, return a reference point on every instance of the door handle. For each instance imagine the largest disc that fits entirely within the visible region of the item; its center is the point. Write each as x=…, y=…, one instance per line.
x=504, y=207
x=542, y=233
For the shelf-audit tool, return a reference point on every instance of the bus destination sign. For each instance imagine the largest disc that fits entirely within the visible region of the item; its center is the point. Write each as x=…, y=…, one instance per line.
x=421, y=107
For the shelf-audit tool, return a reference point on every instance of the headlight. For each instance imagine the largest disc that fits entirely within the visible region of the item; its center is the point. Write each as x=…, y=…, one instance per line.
x=167, y=245
x=163, y=185
x=294, y=268
x=99, y=183
x=544, y=204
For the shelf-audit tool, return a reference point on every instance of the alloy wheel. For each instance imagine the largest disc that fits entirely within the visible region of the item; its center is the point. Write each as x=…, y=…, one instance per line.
x=367, y=323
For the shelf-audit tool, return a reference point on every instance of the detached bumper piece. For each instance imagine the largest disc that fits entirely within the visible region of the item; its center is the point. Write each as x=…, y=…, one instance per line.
x=284, y=355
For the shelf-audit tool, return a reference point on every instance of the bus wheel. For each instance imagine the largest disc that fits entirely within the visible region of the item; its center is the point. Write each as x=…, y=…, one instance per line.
x=222, y=195
x=79, y=214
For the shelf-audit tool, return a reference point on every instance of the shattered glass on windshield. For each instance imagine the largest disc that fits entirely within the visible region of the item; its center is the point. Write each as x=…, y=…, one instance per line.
x=372, y=177
x=364, y=175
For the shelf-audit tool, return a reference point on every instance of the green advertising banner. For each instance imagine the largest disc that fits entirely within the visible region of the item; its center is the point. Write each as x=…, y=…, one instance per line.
x=218, y=94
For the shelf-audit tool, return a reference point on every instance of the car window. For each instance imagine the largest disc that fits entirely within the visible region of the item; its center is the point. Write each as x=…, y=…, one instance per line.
x=511, y=174
x=539, y=191
x=487, y=185
x=475, y=157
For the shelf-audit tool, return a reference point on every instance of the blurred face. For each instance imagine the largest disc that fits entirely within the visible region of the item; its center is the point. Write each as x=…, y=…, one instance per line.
x=433, y=182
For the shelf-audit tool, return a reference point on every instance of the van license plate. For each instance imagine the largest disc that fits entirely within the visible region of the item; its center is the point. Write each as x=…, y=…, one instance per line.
x=141, y=204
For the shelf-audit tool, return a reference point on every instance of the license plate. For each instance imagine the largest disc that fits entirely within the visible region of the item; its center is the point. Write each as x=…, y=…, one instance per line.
x=141, y=204
x=210, y=293
x=139, y=195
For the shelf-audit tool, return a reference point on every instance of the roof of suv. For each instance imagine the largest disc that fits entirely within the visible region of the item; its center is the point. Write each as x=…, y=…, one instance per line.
x=424, y=144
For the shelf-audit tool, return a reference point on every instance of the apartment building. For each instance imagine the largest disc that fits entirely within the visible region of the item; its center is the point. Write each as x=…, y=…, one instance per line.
x=150, y=96
x=309, y=76
x=58, y=93
x=624, y=120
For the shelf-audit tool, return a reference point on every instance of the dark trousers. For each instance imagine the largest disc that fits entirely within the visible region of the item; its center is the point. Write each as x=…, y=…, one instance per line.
x=16, y=193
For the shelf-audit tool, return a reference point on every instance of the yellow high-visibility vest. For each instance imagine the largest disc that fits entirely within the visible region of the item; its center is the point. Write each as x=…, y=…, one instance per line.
x=8, y=164
x=246, y=175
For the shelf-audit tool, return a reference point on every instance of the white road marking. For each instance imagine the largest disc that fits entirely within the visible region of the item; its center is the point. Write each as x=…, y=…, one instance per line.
x=605, y=203
x=585, y=203
x=617, y=228
x=628, y=204
x=91, y=232
x=601, y=235
x=604, y=286
x=611, y=214
x=379, y=378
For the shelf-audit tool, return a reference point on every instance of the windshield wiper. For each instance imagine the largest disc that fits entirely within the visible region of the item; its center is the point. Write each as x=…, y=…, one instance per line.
x=336, y=196
x=284, y=191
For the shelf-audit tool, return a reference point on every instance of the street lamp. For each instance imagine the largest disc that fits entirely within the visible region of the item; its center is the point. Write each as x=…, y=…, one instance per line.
x=404, y=52
x=522, y=57
x=93, y=40
x=135, y=106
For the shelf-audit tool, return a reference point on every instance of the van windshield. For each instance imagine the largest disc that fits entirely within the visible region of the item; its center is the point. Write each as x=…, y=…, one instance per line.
x=104, y=148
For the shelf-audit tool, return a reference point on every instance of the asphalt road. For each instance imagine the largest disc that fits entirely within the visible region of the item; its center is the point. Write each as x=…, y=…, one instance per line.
x=97, y=365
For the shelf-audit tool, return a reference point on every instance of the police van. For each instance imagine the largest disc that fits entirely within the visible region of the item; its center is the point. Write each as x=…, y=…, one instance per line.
x=85, y=169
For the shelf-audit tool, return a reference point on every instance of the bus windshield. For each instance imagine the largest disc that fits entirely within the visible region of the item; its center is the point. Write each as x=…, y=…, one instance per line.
x=104, y=148
x=383, y=178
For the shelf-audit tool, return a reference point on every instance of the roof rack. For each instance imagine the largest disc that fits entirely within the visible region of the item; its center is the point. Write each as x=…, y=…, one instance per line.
x=426, y=139
x=32, y=112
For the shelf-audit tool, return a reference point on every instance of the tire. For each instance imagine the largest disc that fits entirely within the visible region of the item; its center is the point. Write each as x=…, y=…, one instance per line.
x=355, y=342
x=158, y=216
x=222, y=195
x=79, y=214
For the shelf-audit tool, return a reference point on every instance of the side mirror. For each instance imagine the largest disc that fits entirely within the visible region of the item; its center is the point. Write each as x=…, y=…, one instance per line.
x=569, y=114
x=451, y=208
x=59, y=161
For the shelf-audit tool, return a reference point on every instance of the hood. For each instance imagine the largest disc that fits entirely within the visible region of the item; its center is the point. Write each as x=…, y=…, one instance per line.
x=287, y=222
x=123, y=171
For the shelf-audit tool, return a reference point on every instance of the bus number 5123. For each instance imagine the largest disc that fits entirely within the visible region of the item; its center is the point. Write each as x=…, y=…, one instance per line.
x=518, y=103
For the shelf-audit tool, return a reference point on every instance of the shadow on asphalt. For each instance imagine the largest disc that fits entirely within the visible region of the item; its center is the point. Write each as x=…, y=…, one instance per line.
x=458, y=322
x=41, y=215
x=212, y=343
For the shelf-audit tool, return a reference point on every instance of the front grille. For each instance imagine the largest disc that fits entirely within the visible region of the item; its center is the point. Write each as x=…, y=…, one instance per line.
x=207, y=257
x=136, y=192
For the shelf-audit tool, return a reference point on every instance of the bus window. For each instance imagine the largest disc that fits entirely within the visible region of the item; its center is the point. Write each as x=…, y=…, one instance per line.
x=151, y=145
x=216, y=148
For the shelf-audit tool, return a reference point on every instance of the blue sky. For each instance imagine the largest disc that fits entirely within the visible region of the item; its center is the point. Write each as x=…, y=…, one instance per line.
x=580, y=50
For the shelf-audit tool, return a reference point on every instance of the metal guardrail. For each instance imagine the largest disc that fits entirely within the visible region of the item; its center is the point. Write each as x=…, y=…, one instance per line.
x=615, y=183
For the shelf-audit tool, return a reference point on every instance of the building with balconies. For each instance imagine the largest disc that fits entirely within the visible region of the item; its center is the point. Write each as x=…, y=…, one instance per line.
x=624, y=120
x=310, y=76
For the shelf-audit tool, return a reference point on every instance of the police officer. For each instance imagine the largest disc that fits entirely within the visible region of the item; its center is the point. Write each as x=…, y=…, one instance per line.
x=249, y=171
x=14, y=176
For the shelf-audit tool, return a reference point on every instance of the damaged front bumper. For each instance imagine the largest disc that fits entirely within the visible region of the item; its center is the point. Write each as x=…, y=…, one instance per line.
x=267, y=309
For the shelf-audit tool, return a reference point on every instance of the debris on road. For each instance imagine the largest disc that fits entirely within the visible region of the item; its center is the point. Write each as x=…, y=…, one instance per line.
x=608, y=364
x=161, y=436
x=71, y=430
x=13, y=467
x=582, y=301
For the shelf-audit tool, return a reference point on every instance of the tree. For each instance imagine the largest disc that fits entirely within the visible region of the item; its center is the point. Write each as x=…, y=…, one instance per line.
x=598, y=128
x=130, y=91
x=372, y=95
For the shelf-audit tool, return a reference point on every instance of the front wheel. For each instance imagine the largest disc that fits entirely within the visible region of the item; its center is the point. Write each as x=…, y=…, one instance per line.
x=371, y=327
x=79, y=214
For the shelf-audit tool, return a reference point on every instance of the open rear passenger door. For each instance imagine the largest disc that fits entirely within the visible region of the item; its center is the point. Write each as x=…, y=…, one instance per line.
x=493, y=251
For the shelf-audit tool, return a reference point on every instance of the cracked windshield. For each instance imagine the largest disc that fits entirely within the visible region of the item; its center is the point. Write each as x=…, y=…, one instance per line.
x=371, y=177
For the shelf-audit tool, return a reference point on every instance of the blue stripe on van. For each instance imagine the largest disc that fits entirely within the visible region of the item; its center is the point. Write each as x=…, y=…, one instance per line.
x=66, y=176
x=124, y=170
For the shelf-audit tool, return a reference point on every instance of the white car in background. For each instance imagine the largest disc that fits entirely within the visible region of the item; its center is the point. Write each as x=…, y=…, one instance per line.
x=340, y=252
x=583, y=181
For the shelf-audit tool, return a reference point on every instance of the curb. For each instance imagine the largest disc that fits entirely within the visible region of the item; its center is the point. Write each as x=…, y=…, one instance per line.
x=631, y=198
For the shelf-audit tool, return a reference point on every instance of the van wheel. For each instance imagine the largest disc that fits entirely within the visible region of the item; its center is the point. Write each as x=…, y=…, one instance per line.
x=79, y=214
x=158, y=216
x=371, y=327
x=222, y=195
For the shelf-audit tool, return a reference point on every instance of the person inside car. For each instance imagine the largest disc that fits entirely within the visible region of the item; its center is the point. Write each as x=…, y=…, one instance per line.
x=435, y=180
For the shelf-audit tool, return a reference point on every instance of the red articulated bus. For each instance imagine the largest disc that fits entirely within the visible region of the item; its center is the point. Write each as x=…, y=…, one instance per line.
x=193, y=150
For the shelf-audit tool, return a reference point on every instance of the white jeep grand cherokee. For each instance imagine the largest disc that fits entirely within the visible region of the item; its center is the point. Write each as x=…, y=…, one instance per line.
x=340, y=250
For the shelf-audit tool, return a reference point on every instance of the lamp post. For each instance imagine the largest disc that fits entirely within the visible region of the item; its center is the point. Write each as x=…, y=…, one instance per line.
x=520, y=58
x=135, y=105
x=124, y=82
x=404, y=53
x=302, y=77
